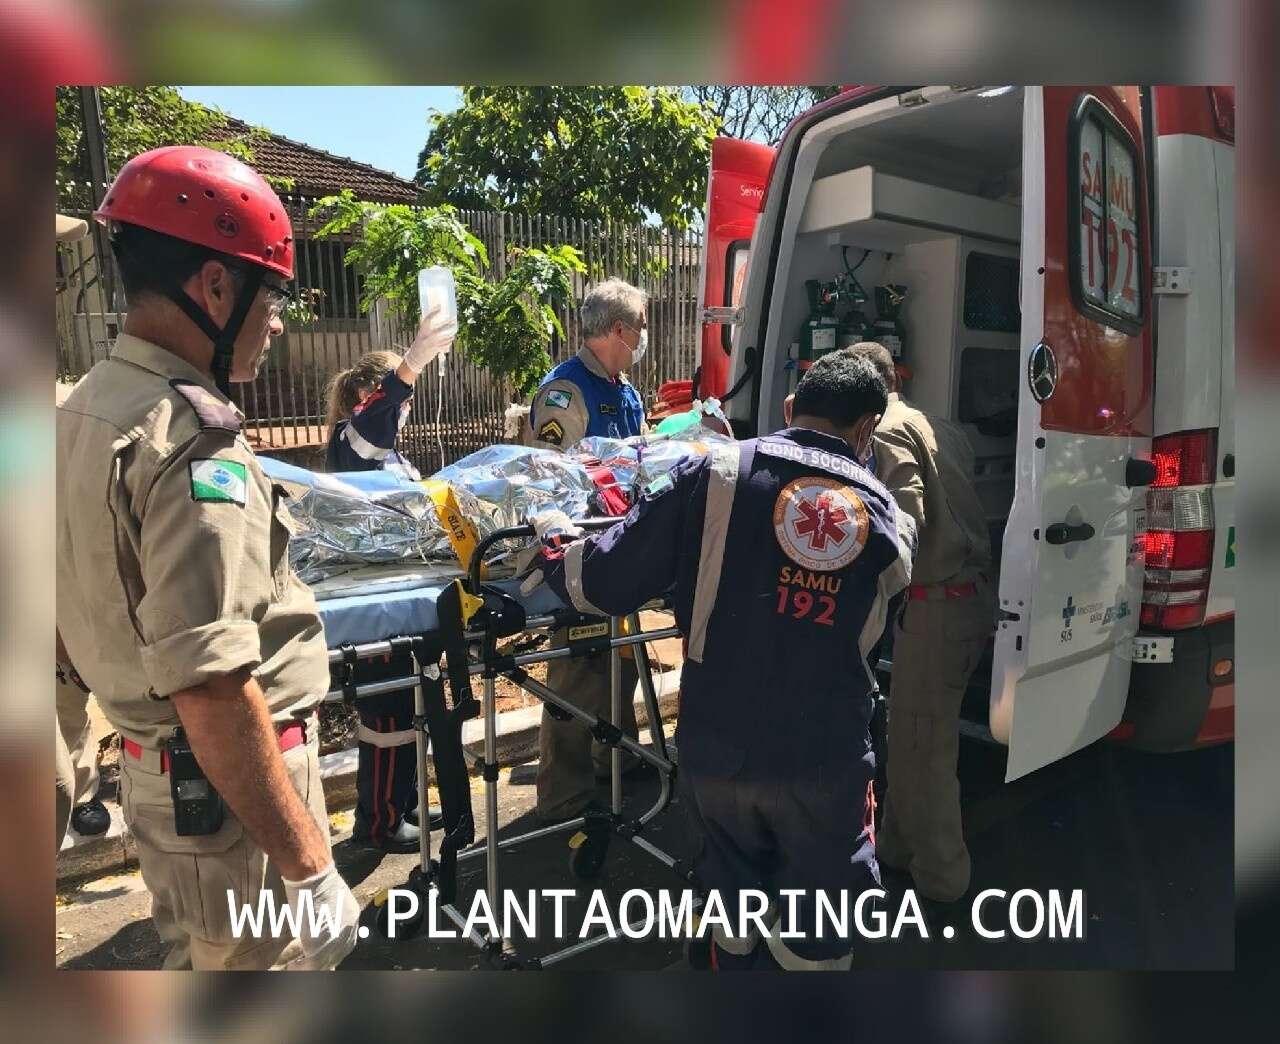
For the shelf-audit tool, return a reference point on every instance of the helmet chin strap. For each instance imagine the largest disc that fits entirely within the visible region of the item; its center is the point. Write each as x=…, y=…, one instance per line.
x=224, y=338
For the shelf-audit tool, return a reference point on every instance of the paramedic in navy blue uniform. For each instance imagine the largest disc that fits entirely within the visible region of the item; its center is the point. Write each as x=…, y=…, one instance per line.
x=783, y=553
x=368, y=405
x=588, y=394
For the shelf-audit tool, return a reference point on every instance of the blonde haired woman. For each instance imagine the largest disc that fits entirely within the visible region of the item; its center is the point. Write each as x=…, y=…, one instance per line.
x=369, y=403
x=367, y=406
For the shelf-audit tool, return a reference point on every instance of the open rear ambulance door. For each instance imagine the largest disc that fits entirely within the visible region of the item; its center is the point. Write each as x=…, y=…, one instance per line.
x=735, y=189
x=1072, y=564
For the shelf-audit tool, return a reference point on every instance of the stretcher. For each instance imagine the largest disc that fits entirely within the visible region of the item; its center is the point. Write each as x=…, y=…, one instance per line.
x=441, y=616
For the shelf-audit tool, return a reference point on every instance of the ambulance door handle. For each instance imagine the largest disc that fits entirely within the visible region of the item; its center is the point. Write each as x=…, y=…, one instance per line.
x=1139, y=472
x=1062, y=533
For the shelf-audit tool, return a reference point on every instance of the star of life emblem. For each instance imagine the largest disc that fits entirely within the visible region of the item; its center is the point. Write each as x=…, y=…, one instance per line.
x=820, y=523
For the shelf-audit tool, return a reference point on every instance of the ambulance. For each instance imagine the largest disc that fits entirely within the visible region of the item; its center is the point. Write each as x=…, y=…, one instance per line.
x=1055, y=269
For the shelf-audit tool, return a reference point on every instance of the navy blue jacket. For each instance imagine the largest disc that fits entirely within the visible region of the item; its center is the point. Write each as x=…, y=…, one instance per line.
x=367, y=442
x=578, y=398
x=781, y=554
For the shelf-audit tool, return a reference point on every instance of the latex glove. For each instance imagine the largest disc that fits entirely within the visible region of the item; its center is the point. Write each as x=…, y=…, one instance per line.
x=435, y=337
x=321, y=948
x=554, y=529
x=529, y=561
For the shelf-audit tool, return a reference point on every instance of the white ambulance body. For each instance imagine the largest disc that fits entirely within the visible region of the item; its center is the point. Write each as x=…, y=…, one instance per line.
x=1067, y=254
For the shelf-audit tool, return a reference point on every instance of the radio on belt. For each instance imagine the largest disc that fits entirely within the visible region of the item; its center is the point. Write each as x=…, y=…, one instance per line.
x=197, y=805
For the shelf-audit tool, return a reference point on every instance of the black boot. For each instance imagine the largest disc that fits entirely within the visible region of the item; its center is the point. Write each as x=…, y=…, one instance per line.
x=435, y=817
x=90, y=819
x=723, y=961
x=405, y=838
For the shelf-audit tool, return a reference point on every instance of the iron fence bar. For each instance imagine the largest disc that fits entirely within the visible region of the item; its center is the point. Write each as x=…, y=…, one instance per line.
x=291, y=396
x=319, y=339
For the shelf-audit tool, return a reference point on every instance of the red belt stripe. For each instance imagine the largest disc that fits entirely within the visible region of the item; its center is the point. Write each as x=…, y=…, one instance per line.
x=292, y=735
x=921, y=592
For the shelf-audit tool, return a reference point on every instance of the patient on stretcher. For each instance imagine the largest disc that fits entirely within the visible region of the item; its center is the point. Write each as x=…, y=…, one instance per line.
x=350, y=519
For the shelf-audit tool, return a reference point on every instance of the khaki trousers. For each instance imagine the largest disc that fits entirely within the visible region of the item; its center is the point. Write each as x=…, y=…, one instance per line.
x=936, y=646
x=63, y=788
x=73, y=722
x=569, y=757
x=189, y=877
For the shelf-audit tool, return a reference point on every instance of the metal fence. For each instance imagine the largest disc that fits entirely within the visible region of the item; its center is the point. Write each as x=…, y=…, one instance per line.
x=285, y=407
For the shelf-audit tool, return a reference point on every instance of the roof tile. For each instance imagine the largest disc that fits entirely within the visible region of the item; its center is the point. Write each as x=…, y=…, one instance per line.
x=318, y=173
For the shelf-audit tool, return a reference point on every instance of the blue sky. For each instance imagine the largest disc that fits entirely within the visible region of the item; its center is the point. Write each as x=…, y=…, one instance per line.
x=382, y=126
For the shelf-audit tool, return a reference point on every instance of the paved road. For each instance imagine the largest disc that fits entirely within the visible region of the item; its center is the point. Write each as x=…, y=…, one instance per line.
x=1147, y=837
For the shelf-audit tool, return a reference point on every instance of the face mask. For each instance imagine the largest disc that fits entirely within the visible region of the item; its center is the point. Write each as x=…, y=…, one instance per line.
x=864, y=456
x=642, y=346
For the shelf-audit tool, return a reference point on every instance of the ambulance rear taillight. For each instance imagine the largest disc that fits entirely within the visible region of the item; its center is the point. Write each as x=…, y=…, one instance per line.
x=1179, y=538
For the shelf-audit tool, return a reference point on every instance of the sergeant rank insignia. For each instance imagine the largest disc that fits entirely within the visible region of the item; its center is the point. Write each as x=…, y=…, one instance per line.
x=551, y=432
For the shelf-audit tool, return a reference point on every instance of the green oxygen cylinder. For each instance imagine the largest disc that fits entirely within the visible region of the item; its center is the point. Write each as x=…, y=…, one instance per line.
x=888, y=328
x=853, y=328
x=818, y=334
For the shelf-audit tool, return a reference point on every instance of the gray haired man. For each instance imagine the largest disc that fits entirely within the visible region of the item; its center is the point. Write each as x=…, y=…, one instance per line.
x=587, y=394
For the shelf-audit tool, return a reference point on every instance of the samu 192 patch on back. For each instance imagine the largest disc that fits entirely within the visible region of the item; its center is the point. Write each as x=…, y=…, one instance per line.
x=219, y=481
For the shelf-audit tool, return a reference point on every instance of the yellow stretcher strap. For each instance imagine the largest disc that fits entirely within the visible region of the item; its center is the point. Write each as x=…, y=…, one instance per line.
x=462, y=534
x=470, y=603
x=627, y=651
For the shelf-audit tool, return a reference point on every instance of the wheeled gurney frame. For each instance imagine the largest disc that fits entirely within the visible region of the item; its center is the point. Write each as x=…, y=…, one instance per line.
x=482, y=615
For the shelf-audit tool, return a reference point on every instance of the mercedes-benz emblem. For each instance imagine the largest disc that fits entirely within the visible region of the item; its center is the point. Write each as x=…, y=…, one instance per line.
x=1042, y=372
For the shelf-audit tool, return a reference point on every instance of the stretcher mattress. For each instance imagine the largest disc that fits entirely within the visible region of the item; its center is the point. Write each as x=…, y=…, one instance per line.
x=371, y=603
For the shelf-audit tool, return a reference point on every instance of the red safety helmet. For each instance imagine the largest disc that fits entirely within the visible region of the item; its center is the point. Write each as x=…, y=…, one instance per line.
x=202, y=196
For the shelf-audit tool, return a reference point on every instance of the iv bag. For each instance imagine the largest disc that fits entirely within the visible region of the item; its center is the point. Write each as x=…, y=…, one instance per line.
x=436, y=287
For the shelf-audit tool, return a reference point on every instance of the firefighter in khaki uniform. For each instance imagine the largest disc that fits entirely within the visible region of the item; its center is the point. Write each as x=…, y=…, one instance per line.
x=939, y=636
x=86, y=814
x=588, y=395
x=176, y=603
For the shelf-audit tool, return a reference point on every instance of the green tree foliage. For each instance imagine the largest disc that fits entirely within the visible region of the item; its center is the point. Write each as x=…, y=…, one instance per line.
x=509, y=323
x=135, y=119
x=395, y=241
x=627, y=154
x=504, y=325
x=757, y=112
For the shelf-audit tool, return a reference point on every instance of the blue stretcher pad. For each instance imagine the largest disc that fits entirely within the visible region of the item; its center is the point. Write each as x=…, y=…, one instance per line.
x=387, y=601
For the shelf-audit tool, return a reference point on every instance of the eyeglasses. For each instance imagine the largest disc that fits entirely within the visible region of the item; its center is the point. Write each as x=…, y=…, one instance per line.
x=278, y=299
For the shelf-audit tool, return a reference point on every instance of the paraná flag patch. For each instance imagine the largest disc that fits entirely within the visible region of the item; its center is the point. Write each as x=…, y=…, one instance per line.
x=219, y=481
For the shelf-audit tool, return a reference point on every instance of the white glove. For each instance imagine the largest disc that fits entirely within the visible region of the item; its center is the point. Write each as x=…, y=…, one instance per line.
x=435, y=337
x=553, y=528
x=323, y=944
